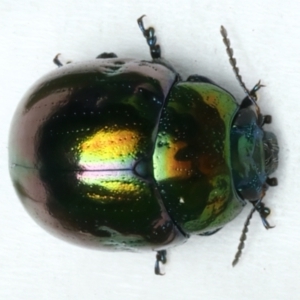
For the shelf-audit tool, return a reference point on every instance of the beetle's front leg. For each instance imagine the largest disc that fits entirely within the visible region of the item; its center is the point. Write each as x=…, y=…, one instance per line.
x=161, y=256
x=255, y=89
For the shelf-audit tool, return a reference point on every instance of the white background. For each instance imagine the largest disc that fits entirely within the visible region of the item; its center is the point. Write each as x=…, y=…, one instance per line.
x=265, y=37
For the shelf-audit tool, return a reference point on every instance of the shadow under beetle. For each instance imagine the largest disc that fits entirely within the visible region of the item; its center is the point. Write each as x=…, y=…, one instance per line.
x=122, y=154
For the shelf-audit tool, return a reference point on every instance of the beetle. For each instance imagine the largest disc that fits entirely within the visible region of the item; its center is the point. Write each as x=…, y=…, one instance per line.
x=122, y=154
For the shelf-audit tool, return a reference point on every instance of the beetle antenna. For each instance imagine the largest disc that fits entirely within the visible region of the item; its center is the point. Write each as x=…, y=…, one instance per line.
x=243, y=237
x=233, y=63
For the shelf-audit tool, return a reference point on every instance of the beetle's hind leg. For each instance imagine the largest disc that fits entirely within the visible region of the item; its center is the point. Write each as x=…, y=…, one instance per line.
x=57, y=61
x=150, y=37
x=161, y=256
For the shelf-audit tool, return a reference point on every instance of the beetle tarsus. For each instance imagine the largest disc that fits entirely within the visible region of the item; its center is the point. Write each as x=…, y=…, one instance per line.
x=161, y=256
x=150, y=37
x=57, y=61
x=255, y=89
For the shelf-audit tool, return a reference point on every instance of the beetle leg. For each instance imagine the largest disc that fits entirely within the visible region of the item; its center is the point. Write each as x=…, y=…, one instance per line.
x=255, y=89
x=161, y=256
x=150, y=37
x=263, y=212
x=57, y=61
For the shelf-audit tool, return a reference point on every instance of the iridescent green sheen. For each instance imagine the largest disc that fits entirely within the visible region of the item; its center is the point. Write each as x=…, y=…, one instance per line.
x=192, y=157
x=118, y=154
x=81, y=147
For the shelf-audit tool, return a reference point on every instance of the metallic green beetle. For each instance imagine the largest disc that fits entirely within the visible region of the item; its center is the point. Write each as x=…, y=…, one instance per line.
x=122, y=154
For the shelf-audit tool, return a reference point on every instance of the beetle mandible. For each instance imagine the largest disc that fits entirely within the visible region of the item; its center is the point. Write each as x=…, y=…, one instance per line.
x=123, y=154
